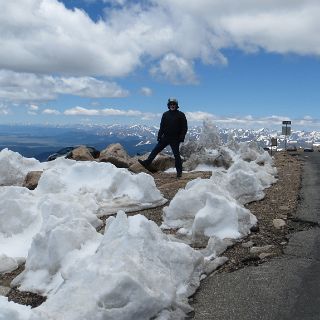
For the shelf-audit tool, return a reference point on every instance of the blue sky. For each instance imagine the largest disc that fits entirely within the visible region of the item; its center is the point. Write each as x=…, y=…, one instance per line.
x=247, y=64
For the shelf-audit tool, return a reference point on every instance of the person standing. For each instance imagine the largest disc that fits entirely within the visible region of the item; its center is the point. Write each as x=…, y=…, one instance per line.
x=173, y=129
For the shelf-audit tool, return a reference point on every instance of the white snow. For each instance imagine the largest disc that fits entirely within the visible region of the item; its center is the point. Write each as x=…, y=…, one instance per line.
x=134, y=270
x=13, y=311
x=69, y=190
x=14, y=167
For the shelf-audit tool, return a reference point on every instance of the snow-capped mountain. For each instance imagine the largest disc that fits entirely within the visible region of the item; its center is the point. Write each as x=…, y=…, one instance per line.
x=147, y=135
x=41, y=141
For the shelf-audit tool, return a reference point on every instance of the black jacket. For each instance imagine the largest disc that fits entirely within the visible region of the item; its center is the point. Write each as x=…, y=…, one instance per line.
x=173, y=126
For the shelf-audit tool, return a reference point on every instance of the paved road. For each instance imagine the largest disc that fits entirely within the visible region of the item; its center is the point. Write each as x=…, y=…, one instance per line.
x=284, y=288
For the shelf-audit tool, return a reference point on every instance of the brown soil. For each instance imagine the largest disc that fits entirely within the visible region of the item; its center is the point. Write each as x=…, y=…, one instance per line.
x=280, y=201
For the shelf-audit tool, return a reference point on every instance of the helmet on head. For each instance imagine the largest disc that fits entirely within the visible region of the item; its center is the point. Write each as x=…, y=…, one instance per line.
x=173, y=101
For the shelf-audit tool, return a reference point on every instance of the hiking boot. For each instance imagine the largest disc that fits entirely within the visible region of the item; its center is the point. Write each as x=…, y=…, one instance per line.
x=179, y=175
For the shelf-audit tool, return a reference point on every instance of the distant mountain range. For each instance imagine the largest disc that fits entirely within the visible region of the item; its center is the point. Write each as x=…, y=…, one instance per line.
x=40, y=141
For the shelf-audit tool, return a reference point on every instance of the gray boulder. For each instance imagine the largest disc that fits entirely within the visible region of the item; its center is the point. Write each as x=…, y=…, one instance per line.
x=117, y=155
x=81, y=154
x=31, y=180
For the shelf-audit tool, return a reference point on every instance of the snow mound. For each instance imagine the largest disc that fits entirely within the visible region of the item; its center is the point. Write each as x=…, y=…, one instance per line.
x=205, y=209
x=136, y=272
x=69, y=190
x=14, y=167
x=109, y=187
x=13, y=311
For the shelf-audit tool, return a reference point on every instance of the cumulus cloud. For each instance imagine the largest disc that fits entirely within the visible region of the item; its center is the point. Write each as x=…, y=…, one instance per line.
x=43, y=36
x=176, y=69
x=16, y=86
x=76, y=111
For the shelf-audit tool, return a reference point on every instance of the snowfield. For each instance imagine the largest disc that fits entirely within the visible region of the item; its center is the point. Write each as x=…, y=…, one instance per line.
x=133, y=270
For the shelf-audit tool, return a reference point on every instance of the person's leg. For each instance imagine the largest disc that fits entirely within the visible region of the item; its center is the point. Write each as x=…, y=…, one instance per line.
x=158, y=148
x=178, y=162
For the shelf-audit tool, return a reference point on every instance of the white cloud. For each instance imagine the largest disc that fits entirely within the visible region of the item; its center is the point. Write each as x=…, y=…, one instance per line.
x=42, y=36
x=76, y=111
x=199, y=116
x=146, y=91
x=28, y=86
x=51, y=111
x=176, y=69
x=247, y=120
x=33, y=107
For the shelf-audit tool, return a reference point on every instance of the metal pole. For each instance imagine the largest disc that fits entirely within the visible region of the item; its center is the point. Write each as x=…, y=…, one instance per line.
x=285, y=139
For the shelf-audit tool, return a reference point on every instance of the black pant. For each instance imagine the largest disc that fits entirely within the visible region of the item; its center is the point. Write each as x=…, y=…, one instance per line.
x=174, y=144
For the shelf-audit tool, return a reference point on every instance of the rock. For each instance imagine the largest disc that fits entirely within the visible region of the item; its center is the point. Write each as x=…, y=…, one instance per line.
x=162, y=162
x=31, y=180
x=137, y=168
x=255, y=228
x=265, y=255
x=258, y=250
x=117, y=155
x=279, y=223
x=284, y=208
x=4, y=290
x=81, y=154
x=248, y=244
x=191, y=147
x=118, y=162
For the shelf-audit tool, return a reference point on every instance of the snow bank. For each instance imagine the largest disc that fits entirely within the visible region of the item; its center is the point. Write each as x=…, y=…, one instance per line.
x=14, y=167
x=109, y=187
x=136, y=272
x=214, y=207
x=13, y=311
x=60, y=242
x=69, y=190
x=243, y=184
x=204, y=209
x=19, y=221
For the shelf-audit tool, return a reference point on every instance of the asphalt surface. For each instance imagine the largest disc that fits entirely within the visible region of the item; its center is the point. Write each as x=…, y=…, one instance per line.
x=284, y=288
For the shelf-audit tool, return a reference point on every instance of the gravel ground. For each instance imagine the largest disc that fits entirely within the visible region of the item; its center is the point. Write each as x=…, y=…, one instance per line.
x=279, y=203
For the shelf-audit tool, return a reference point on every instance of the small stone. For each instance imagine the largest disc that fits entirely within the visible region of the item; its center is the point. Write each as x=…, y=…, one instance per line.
x=283, y=243
x=279, y=223
x=258, y=250
x=284, y=208
x=248, y=244
x=264, y=255
x=254, y=228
